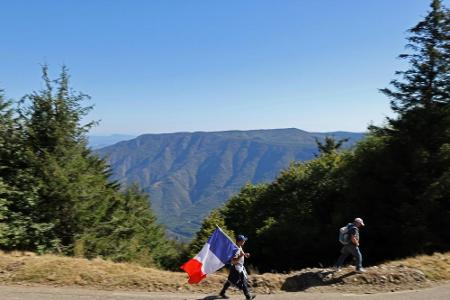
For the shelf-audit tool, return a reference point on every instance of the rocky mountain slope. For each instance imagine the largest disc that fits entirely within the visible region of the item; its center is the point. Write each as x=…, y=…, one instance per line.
x=189, y=174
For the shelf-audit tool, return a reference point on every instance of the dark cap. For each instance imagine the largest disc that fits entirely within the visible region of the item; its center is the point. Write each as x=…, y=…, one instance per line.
x=241, y=237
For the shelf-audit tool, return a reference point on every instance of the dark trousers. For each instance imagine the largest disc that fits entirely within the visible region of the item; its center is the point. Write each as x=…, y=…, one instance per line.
x=238, y=280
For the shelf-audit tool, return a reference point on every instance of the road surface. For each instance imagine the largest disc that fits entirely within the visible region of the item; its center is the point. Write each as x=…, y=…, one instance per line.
x=50, y=293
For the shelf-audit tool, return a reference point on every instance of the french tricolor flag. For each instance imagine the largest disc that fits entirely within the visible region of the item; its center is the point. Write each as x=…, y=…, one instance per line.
x=218, y=250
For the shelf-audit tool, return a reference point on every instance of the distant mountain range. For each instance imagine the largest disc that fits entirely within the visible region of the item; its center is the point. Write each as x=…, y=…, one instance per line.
x=189, y=174
x=100, y=141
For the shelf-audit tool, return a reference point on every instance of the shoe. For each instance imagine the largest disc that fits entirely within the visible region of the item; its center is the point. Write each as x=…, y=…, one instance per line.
x=250, y=297
x=223, y=296
x=336, y=269
x=360, y=270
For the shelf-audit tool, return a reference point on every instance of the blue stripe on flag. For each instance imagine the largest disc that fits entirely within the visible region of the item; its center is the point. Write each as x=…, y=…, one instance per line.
x=221, y=246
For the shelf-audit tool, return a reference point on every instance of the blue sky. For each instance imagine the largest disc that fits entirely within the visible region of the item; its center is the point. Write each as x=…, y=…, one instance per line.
x=166, y=66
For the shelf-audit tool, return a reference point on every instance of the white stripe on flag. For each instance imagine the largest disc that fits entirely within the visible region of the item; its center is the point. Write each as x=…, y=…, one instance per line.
x=210, y=262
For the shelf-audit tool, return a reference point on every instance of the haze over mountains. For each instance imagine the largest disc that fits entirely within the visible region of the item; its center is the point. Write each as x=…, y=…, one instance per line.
x=189, y=174
x=100, y=141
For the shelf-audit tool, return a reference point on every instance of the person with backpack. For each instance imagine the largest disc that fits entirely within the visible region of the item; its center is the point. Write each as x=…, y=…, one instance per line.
x=238, y=274
x=349, y=237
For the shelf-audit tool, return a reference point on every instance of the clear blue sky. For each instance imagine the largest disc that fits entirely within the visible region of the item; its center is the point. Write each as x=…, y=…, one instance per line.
x=165, y=66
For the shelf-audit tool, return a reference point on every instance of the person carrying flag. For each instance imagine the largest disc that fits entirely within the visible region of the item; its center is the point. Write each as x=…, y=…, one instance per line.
x=238, y=274
x=218, y=251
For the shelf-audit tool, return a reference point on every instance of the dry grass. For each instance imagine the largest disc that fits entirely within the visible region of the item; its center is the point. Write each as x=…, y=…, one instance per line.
x=28, y=268
x=436, y=267
x=22, y=268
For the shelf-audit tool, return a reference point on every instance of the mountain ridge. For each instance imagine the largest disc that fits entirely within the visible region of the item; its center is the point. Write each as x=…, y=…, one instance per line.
x=187, y=174
x=101, y=141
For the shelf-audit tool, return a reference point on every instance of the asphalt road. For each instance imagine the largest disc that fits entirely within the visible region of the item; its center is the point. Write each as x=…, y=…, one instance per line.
x=48, y=293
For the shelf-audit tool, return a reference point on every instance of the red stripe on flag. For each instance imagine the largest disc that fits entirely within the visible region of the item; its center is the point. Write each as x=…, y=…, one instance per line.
x=194, y=269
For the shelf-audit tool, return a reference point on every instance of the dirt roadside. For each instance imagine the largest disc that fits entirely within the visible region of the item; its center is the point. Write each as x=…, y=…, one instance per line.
x=26, y=269
x=49, y=293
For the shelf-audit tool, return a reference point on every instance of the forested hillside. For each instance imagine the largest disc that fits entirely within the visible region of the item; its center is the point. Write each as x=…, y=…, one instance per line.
x=397, y=179
x=189, y=174
x=56, y=195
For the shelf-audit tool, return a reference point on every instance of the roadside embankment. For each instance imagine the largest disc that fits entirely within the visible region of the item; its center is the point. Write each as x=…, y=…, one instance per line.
x=18, y=268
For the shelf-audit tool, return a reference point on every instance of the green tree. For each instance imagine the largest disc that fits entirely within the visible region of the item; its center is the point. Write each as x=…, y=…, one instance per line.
x=127, y=231
x=51, y=119
x=209, y=224
x=19, y=224
x=417, y=137
x=89, y=214
x=397, y=178
x=293, y=212
x=425, y=84
x=329, y=145
x=241, y=213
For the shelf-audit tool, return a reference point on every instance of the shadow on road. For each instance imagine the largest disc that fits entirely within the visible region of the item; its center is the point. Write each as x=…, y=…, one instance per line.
x=306, y=280
x=211, y=297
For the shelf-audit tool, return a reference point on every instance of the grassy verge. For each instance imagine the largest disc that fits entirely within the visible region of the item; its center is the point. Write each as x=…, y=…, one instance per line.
x=20, y=268
x=436, y=267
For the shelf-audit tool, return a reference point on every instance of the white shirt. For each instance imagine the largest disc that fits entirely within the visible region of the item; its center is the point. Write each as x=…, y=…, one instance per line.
x=239, y=265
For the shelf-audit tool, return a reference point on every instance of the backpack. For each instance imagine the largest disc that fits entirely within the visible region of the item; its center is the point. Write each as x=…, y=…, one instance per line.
x=343, y=235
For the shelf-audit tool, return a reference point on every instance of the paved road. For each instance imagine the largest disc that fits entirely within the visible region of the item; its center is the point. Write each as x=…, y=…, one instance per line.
x=49, y=293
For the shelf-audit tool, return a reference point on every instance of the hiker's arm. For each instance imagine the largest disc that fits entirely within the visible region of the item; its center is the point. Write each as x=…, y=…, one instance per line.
x=235, y=259
x=354, y=240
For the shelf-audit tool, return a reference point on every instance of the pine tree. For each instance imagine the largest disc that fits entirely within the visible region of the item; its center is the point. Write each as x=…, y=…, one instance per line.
x=417, y=138
x=422, y=98
x=89, y=214
x=19, y=224
x=210, y=223
x=330, y=145
x=127, y=230
x=51, y=119
x=426, y=83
